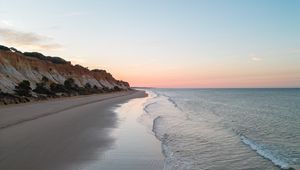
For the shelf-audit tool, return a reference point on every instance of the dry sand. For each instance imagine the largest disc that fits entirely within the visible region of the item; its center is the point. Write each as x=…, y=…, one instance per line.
x=58, y=134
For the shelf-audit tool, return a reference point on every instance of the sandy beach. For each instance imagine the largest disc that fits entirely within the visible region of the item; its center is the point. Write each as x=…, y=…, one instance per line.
x=135, y=146
x=59, y=134
x=150, y=85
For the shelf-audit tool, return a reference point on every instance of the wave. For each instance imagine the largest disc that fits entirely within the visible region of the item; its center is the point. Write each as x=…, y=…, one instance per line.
x=156, y=94
x=165, y=115
x=154, y=128
x=171, y=120
x=147, y=106
x=172, y=101
x=266, y=153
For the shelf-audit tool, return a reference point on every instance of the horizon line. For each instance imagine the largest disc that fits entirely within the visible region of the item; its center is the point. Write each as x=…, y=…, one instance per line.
x=217, y=87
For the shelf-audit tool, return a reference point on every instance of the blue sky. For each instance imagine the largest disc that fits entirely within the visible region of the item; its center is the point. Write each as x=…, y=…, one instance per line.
x=209, y=43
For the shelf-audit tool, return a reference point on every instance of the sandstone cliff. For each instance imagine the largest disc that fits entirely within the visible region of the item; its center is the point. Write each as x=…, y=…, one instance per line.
x=16, y=67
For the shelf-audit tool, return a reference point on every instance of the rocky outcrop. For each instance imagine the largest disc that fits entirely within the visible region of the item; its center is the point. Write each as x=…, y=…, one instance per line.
x=16, y=67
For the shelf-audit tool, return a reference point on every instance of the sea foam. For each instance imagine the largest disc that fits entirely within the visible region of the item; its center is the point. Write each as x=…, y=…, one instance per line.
x=266, y=153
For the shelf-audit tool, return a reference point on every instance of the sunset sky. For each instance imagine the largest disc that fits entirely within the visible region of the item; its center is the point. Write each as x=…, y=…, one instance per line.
x=165, y=43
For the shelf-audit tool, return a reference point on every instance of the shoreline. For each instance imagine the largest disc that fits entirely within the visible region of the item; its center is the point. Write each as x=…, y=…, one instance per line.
x=75, y=136
x=135, y=146
x=12, y=110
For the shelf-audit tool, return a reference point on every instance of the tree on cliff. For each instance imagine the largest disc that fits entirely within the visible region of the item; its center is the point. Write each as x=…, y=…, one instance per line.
x=23, y=88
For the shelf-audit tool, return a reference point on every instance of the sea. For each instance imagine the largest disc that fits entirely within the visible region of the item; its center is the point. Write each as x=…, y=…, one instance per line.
x=221, y=129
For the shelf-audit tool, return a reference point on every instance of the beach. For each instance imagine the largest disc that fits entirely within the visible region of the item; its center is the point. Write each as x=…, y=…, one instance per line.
x=69, y=133
x=154, y=129
x=150, y=85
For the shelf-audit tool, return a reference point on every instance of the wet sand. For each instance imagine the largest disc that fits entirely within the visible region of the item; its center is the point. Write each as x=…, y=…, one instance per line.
x=61, y=134
x=135, y=147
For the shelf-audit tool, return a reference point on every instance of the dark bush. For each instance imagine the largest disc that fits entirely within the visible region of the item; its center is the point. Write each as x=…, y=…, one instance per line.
x=58, y=88
x=41, y=89
x=57, y=60
x=40, y=56
x=7, y=98
x=45, y=79
x=70, y=84
x=106, y=89
x=83, y=91
x=35, y=55
x=96, y=89
x=15, y=50
x=88, y=86
x=117, y=88
x=4, y=48
x=23, y=88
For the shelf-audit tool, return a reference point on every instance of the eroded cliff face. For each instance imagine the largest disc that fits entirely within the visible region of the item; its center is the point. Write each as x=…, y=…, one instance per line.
x=16, y=67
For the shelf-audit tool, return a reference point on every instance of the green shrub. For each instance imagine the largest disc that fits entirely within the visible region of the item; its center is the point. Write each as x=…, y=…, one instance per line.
x=41, y=89
x=70, y=84
x=4, y=48
x=58, y=88
x=40, y=56
x=35, y=55
x=57, y=60
x=23, y=88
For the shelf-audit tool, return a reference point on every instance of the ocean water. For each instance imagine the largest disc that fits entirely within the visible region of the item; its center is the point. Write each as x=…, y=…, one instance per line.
x=225, y=128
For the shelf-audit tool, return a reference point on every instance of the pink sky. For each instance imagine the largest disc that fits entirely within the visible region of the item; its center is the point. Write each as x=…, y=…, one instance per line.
x=165, y=44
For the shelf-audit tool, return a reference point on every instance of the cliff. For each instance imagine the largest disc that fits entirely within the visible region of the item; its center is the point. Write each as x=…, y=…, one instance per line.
x=16, y=66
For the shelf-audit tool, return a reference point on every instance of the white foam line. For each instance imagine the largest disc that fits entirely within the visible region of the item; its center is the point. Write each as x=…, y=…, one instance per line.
x=265, y=153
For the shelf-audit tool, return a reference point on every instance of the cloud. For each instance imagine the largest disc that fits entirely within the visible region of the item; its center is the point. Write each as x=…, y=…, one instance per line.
x=27, y=40
x=256, y=59
x=7, y=23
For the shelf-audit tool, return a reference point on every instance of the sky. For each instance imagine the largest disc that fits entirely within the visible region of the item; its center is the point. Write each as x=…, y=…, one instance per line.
x=165, y=43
